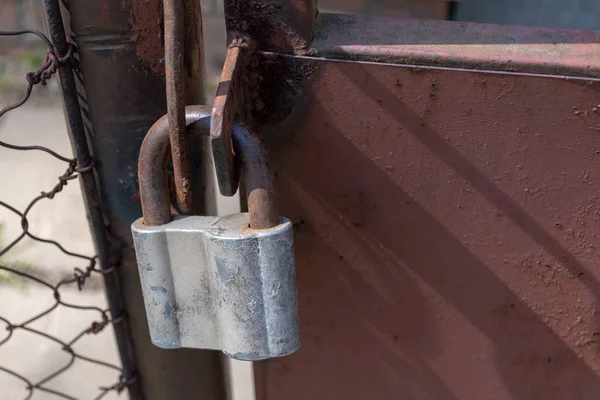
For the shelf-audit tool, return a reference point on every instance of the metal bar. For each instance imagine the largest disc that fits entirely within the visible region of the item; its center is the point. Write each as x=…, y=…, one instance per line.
x=258, y=180
x=89, y=186
x=174, y=11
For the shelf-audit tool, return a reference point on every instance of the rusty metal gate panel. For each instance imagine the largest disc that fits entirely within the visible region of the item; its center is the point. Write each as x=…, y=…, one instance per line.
x=442, y=180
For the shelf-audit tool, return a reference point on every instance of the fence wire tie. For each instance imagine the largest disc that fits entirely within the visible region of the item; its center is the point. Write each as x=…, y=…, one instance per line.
x=62, y=181
x=80, y=276
x=51, y=65
x=121, y=385
x=87, y=167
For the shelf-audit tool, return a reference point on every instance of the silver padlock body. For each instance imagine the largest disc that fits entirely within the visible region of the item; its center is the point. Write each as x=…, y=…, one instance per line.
x=214, y=283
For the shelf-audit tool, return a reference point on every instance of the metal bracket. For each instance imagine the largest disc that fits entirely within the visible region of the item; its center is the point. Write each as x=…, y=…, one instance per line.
x=229, y=101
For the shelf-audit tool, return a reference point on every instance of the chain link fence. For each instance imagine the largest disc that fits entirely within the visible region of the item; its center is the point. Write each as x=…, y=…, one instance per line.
x=99, y=319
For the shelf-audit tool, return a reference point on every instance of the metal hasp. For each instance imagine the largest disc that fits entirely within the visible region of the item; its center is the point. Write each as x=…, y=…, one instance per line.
x=225, y=283
x=227, y=106
x=279, y=26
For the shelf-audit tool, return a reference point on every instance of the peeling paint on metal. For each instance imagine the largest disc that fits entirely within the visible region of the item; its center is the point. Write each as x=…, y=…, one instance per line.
x=147, y=34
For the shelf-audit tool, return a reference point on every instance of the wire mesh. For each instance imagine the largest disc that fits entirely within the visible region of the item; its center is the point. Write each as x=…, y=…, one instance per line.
x=89, y=265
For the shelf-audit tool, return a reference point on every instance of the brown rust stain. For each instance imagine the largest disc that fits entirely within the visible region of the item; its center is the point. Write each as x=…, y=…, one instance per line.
x=104, y=11
x=280, y=83
x=275, y=26
x=146, y=21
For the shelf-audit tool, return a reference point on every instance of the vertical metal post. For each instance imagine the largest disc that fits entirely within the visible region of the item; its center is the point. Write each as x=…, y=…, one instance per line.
x=100, y=232
x=121, y=51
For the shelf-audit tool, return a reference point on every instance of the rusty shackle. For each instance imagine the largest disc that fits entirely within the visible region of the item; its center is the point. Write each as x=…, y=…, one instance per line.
x=152, y=170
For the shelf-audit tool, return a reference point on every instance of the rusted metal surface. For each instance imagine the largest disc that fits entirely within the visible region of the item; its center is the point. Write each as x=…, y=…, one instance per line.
x=258, y=179
x=122, y=84
x=154, y=191
x=228, y=104
x=284, y=26
x=452, y=44
x=152, y=165
x=445, y=228
x=174, y=12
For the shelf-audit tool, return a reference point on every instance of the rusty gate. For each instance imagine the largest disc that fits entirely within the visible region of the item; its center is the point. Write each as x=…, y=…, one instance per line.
x=440, y=176
x=442, y=179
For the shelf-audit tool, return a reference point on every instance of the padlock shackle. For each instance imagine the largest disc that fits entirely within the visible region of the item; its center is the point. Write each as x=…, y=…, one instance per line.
x=258, y=180
x=152, y=171
x=152, y=166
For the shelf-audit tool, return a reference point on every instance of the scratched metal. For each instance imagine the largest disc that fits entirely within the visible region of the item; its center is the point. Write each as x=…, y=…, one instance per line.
x=214, y=283
x=445, y=228
x=284, y=26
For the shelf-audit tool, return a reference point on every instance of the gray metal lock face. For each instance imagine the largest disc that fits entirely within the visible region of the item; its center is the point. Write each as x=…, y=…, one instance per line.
x=213, y=283
x=223, y=283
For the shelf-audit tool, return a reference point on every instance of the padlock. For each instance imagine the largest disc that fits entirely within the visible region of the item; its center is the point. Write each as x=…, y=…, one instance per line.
x=226, y=283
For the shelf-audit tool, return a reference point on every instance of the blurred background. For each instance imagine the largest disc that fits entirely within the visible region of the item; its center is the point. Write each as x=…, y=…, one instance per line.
x=23, y=175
